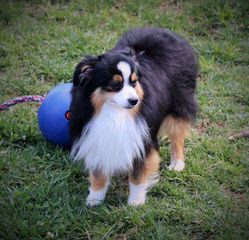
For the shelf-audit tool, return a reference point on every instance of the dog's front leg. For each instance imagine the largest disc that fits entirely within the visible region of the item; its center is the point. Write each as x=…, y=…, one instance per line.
x=98, y=188
x=143, y=176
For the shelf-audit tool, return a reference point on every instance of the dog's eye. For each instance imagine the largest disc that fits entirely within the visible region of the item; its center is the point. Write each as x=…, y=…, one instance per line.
x=133, y=83
x=116, y=85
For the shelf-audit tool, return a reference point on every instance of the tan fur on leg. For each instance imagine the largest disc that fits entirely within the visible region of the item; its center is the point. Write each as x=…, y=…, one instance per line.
x=97, y=180
x=142, y=170
x=98, y=188
x=177, y=130
x=143, y=176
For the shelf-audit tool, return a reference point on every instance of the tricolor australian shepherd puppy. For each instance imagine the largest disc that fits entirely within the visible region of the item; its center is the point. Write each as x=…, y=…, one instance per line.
x=122, y=100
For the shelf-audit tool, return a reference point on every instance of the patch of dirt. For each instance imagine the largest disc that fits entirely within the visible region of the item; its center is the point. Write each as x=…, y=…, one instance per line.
x=172, y=5
x=205, y=123
x=202, y=126
x=201, y=77
x=220, y=124
x=34, y=11
x=119, y=4
x=121, y=237
x=239, y=197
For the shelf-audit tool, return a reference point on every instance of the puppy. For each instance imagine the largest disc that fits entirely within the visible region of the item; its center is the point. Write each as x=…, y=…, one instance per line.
x=123, y=99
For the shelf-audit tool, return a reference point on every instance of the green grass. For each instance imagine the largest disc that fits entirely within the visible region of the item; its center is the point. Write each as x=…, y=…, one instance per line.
x=42, y=194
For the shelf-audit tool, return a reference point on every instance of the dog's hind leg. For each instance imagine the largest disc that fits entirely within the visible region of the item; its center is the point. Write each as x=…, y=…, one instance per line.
x=177, y=130
x=143, y=176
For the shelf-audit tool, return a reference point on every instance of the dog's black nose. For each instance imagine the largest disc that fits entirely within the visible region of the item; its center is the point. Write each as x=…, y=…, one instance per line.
x=133, y=101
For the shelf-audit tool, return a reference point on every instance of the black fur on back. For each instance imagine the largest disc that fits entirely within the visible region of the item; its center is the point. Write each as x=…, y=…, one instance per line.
x=168, y=68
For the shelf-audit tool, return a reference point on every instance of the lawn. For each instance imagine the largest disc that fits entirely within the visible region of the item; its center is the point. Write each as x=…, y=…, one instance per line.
x=42, y=194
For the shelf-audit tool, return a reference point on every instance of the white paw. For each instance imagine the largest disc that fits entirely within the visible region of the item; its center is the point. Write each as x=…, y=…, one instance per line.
x=92, y=202
x=94, y=198
x=133, y=201
x=136, y=203
x=177, y=165
x=137, y=195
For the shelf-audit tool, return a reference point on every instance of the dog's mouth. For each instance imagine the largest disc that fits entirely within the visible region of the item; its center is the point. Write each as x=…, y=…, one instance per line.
x=128, y=106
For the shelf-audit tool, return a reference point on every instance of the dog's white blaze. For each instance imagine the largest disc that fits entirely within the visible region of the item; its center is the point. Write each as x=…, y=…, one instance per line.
x=125, y=69
x=121, y=98
x=111, y=140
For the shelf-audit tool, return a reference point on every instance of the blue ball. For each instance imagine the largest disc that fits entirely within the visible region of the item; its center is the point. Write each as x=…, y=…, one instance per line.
x=53, y=115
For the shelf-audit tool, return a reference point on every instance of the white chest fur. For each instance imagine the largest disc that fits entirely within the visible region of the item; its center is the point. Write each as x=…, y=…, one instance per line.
x=111, y=141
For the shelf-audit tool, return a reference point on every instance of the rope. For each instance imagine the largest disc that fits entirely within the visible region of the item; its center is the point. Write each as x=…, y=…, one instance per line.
x=6, y=105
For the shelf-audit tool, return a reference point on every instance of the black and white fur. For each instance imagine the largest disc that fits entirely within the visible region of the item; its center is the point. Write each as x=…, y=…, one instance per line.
x=115, y=121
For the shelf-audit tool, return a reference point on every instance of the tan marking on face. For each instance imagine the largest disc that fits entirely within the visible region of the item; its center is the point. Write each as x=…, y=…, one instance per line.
x=134, y=77
x=144, y=170
x=117, y=78
x=98, y=99
x=177, y=130
x=97, y=181
x=140, y=93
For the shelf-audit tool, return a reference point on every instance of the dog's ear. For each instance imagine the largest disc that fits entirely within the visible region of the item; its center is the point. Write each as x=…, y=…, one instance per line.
x=84, y=70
